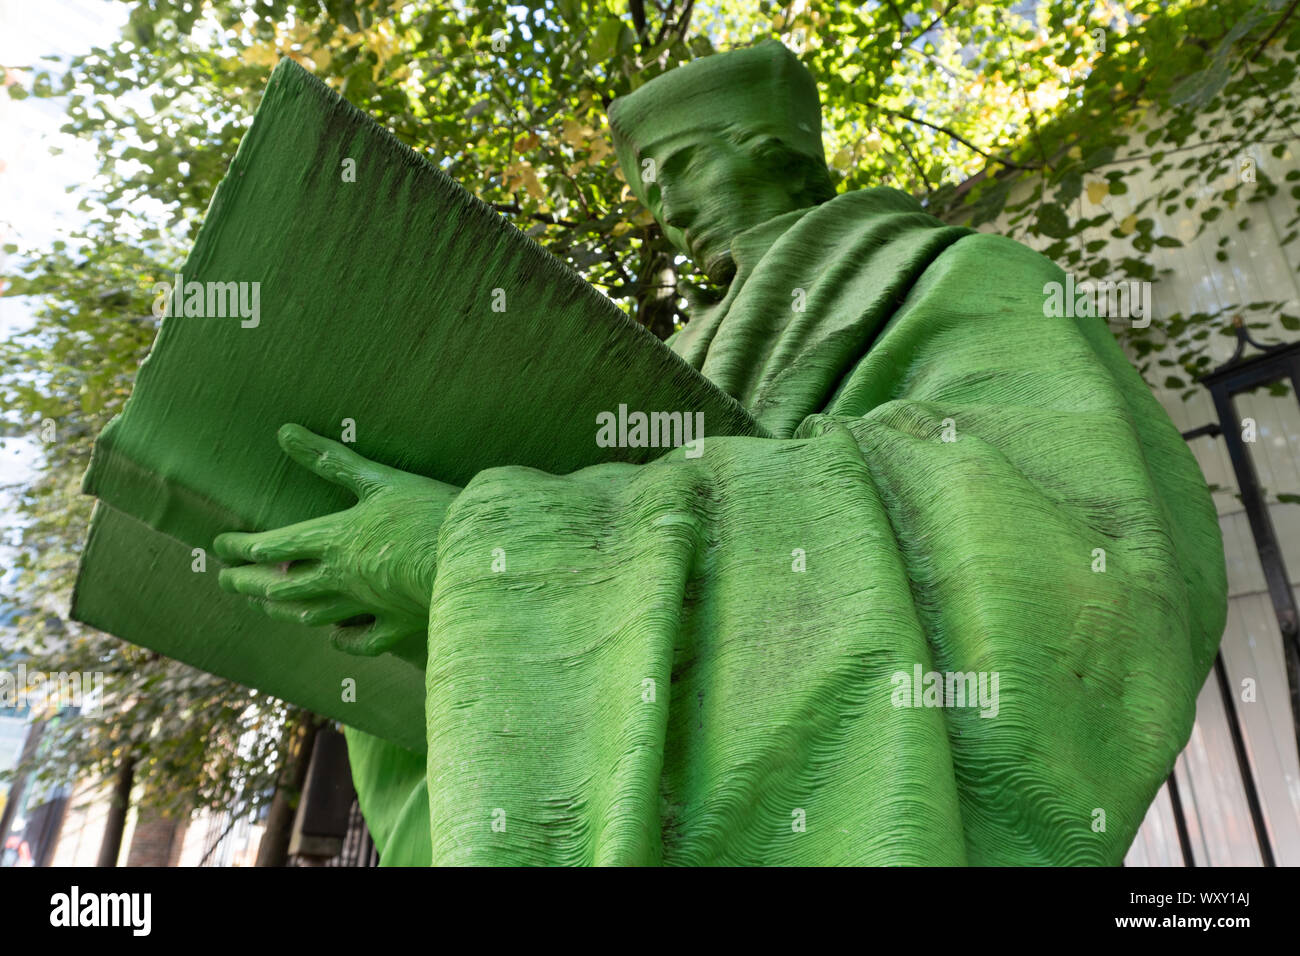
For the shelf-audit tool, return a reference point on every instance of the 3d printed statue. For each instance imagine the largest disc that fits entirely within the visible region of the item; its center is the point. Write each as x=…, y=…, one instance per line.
x=954, y=605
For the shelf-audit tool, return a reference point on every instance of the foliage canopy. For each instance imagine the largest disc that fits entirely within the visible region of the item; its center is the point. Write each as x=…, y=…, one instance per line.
x=1007, y=111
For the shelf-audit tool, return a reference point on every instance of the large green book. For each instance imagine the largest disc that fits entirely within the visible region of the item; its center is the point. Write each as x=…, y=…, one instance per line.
x=389, y=302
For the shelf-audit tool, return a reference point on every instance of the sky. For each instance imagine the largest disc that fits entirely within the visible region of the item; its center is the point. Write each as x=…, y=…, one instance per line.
x=35, y=205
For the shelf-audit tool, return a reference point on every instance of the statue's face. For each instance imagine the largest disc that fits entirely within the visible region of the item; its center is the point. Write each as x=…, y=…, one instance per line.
x=711, y=189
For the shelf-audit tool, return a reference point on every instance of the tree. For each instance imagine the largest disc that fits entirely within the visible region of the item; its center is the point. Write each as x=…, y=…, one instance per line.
x=960, y=103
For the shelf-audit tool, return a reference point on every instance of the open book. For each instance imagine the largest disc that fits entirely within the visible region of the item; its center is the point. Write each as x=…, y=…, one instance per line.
x=341, y=281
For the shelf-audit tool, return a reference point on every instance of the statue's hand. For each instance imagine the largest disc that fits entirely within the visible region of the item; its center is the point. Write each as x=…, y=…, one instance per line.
x=367, y=570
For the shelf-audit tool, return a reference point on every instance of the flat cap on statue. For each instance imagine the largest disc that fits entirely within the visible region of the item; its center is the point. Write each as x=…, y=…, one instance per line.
x=757, y=90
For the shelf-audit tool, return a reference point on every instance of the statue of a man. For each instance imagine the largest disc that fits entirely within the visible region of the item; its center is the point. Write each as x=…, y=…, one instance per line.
x=957, y=610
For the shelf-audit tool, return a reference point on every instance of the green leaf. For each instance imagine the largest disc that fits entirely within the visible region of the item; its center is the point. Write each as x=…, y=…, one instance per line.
x=1052, y=221
x=1070, y=189
x=605, y=40
x=1200, y=88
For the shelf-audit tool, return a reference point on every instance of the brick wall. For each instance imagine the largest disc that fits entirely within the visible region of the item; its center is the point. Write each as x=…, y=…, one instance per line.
x=157, y=841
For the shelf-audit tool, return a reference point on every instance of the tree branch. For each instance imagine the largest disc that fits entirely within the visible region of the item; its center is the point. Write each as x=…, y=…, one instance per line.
x=1273, y=32
x=677, y=26
x=916, y=164
x=933, y=23
x=1024, y=95
x=902, y=24
x=546, y=217
x=1010, y=164
x=637, y=9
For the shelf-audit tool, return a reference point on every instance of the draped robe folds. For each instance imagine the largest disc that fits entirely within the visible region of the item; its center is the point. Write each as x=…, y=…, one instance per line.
x=697, y=660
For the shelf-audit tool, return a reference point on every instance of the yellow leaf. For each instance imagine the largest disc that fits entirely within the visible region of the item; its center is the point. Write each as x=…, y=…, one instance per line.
x=1129, y=224
x=1098, y=190
x=571, y=132
x=1075, y=153
x=261, y=54
x=620, y=228
x=531, y=183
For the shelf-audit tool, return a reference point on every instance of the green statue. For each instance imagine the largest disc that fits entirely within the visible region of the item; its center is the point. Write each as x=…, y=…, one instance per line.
x=956, y=611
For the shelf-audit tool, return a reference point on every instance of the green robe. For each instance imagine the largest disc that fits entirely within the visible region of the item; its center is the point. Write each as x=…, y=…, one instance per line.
x=698, y=660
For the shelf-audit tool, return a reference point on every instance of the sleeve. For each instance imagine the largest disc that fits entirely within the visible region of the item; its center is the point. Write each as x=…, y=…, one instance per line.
x=961, y=616
x=391, y=790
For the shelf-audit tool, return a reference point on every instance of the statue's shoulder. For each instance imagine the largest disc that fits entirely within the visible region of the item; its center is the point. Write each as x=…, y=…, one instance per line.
x=873, y=199
x=866, y=209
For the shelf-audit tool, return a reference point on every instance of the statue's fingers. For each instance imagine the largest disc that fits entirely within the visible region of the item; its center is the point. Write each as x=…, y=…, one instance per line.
x=368, y=640
x=249, y=579
x=276, y=582
x=306, y=540
x=325, y=610
x=334, y=462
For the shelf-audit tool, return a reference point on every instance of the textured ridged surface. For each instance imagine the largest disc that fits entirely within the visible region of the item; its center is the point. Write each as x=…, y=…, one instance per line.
x=377, y=306
x=649, y=679
x=773, y=687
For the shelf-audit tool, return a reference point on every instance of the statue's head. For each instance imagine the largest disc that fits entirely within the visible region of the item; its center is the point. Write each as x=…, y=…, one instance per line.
x=722, y=144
